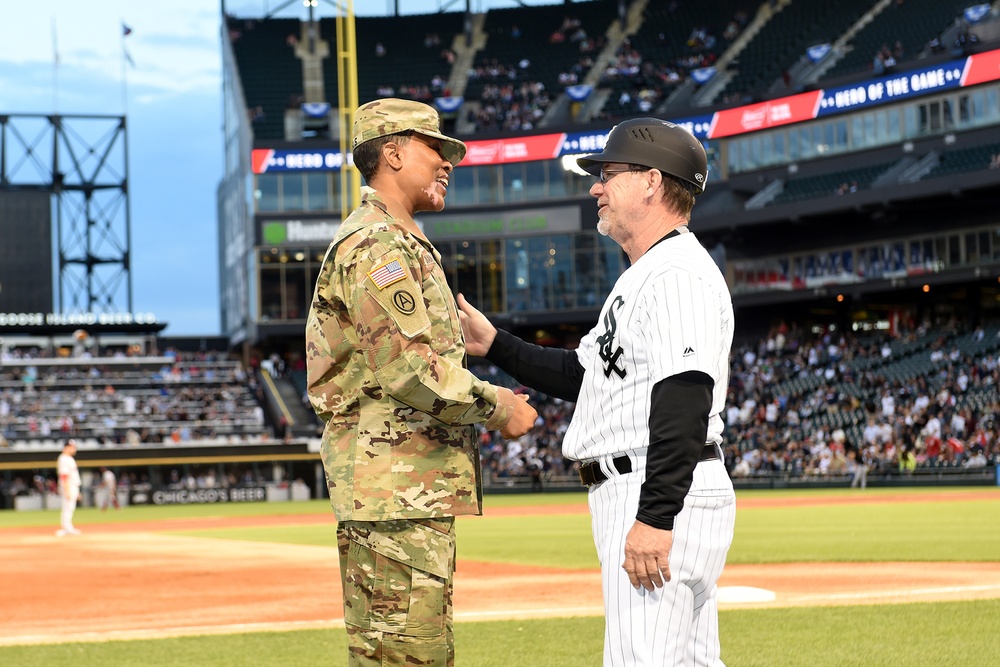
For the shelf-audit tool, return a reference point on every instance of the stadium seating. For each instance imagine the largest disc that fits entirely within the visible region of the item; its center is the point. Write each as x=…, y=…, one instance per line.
x=838, y=183
x=966, y=159
x=150, y=400
x=784, y=39
x=666, y=40
x=270, y=72
x=825, y=390
x=532, y=44
x=414, y=54
x=912, y=24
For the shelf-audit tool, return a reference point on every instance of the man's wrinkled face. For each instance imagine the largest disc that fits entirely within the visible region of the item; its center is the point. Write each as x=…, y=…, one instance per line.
x=616, y=195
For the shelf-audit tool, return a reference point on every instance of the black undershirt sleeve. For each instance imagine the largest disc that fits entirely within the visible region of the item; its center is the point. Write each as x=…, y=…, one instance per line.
x=678, y=427
x=550, y=370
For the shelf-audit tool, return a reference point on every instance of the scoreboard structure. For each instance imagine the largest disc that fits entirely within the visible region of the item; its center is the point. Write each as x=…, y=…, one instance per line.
x=64, y=214
x=26, y=251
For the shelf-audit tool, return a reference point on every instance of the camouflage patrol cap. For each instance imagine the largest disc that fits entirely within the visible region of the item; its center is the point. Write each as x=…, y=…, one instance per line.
x=392, y=116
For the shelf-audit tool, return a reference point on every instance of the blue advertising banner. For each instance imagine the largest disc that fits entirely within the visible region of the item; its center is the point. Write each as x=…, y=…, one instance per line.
x=579, y=92
x=702, y=74
x=449, y=104
x=818, y=52
x=976, y=13
x=316, y=109
x=890, y=88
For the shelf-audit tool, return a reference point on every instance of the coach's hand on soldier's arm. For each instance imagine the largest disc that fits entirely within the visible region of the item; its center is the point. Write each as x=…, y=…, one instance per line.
x=479, y=332
x=647, y=555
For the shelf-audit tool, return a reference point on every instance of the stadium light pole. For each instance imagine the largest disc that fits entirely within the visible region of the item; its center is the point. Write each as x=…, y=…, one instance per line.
x=347, y=102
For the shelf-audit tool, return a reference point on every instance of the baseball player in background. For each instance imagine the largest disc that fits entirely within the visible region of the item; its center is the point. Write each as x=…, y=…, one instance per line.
x=386, y=374
x=649, y=383
x=109, y=489
x=69, y=488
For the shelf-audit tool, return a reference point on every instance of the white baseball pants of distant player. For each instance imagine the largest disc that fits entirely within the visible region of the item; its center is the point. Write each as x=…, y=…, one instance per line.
x=676, y=624
x=68, y=508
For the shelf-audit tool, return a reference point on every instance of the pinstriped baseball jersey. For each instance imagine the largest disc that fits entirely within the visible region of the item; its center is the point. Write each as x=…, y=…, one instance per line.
x=670, y=312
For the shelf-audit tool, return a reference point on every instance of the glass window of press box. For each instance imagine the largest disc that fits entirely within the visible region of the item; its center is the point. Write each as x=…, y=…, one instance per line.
x=470, y=186
x=534, y=273
x=286, y=280
x=895, y=258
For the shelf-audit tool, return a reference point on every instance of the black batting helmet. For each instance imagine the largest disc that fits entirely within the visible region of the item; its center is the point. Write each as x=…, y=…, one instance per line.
x=653, y=143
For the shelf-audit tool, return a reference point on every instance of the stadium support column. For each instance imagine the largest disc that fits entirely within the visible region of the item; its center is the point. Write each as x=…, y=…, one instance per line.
x=347, y=102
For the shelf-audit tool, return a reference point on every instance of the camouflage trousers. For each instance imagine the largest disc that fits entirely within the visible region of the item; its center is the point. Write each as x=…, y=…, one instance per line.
x=397, y=579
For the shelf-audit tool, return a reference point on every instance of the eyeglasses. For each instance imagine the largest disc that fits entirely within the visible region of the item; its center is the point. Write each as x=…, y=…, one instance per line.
x=606, y=175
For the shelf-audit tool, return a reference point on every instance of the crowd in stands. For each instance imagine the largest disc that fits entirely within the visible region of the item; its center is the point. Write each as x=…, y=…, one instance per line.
x=849, y=406
x=885, y=58
x=175, y=398
x=423, y=92
x=512, y=98
x=511, y=106
x=821, y=406
x=800, y=404
x=642, y=81
x=846, y=187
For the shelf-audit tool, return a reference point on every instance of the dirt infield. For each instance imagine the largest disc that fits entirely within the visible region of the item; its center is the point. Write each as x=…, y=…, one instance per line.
x=134, y=580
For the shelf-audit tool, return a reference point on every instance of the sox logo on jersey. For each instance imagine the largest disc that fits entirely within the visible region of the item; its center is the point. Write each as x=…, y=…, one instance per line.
x=607, y=340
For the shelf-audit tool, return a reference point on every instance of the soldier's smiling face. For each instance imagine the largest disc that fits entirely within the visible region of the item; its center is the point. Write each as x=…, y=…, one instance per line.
x=426, y=172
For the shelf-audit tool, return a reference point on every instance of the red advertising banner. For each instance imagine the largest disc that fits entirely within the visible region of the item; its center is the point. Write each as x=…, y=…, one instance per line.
x=982, y=67
x=259, y=158
x=520, y=149
x=753, y=117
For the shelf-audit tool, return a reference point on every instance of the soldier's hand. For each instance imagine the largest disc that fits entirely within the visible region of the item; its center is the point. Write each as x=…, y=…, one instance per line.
x=477, y=330
x=522, y=421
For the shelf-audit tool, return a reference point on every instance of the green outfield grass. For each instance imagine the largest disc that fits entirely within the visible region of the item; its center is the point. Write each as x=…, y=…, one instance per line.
x=945, y=634
x=928, y=635
x=915, y=531
x=919, y=531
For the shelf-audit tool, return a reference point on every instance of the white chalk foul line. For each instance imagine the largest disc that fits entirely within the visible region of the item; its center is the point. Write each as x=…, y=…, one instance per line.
x=283, y=626
x=161, y=633
x=908, y=592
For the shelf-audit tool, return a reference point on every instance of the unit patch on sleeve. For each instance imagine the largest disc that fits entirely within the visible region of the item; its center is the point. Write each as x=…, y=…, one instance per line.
x=404, y=303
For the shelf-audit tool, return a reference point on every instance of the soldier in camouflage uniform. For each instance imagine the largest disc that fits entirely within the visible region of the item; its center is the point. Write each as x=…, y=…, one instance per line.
x=386, y=363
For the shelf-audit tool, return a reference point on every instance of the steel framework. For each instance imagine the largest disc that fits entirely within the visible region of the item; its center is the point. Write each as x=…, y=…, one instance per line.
x=82, y=160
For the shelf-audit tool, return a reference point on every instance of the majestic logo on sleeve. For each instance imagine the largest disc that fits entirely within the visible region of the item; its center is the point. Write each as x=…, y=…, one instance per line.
x=606, y=341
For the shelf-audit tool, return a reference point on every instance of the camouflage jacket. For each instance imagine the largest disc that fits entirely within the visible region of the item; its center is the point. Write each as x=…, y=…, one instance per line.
x=386, y=367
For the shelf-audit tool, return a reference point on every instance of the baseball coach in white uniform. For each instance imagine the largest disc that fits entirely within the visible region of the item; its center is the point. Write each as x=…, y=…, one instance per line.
x=649, y=382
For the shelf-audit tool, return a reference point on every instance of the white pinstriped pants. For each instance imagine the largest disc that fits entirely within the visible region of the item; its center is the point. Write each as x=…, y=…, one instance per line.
x=679, y=623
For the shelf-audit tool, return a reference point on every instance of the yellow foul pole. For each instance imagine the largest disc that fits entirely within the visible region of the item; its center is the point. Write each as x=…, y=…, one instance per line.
x=347, y=102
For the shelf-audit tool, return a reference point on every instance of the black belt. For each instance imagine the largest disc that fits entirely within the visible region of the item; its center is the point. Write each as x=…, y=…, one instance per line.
x=591, y=472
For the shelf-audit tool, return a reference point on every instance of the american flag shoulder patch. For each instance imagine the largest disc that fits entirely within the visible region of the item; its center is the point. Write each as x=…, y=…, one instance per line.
x=387, y=274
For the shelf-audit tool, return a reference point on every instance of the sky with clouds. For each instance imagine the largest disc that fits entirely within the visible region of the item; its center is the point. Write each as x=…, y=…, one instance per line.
x=171, y=95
